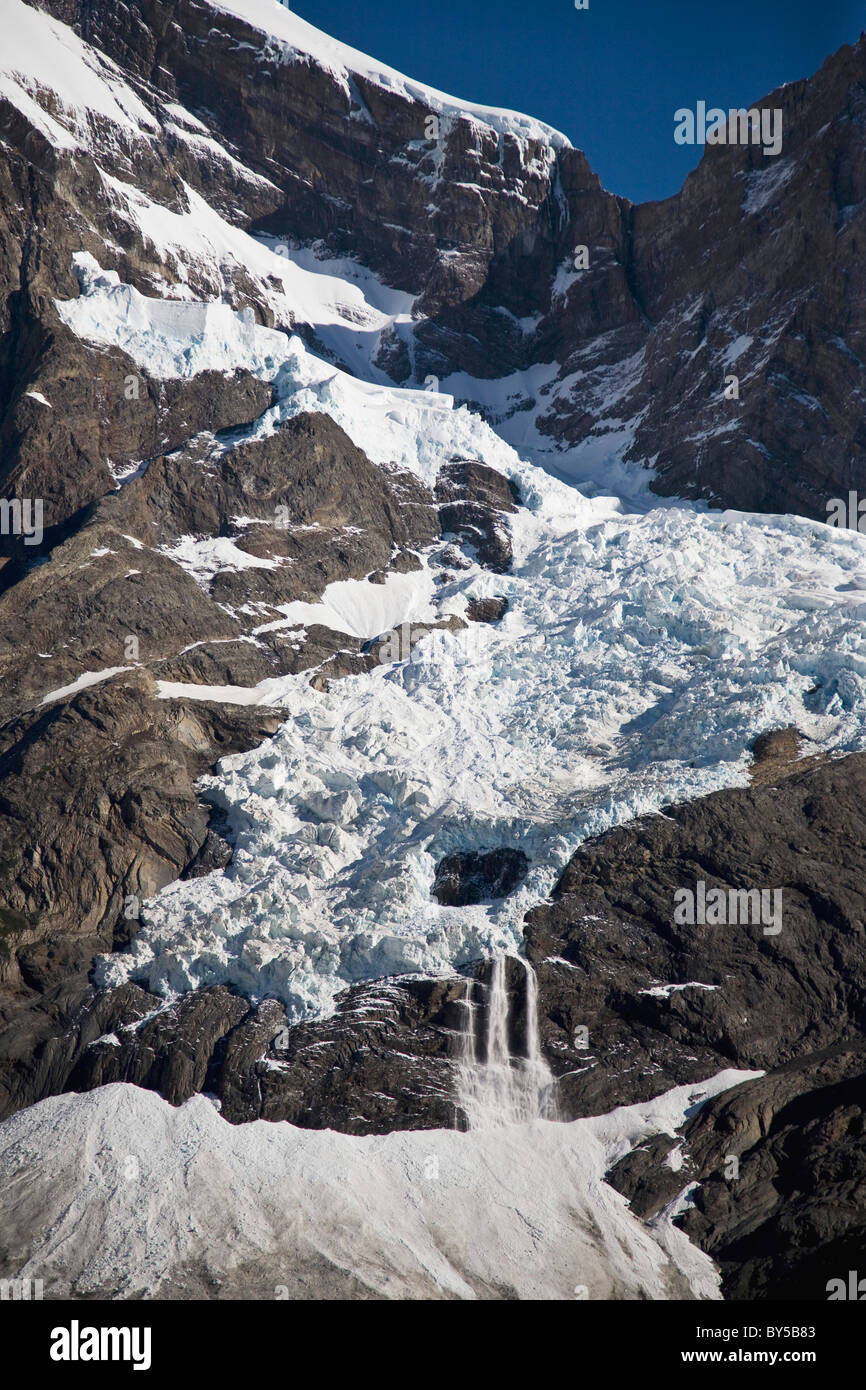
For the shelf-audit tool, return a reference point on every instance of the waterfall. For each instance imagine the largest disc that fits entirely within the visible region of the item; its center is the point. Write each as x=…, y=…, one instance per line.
x=501, y=1089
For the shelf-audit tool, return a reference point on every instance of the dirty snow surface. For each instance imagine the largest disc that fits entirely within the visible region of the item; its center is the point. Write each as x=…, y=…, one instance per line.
x=145, y=1200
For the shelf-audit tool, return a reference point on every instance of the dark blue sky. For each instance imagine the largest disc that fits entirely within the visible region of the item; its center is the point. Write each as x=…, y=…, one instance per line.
x=611, y=76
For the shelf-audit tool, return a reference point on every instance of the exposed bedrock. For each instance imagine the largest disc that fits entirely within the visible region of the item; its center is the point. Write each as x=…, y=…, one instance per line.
x=478, y=877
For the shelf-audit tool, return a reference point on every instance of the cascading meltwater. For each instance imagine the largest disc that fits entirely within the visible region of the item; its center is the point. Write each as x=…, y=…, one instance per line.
x=499, y=1088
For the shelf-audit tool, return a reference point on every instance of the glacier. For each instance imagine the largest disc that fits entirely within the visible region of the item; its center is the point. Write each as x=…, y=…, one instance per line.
x=644, y=648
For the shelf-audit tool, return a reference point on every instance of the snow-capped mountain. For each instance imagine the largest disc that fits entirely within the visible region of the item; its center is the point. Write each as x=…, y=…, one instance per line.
x=374, y=632
x=474, y=216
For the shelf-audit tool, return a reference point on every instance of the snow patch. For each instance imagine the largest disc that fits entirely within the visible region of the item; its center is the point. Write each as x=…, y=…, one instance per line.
x=365, y=610
x=764, y=185
x=41, y=55
x=665, y=991
x=83, y=683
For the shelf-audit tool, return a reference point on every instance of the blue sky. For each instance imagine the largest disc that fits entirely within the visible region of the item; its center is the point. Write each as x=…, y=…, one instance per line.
x=610, y=76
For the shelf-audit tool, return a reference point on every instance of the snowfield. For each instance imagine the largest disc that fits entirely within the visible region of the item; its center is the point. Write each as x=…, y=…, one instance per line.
x=144, y=1200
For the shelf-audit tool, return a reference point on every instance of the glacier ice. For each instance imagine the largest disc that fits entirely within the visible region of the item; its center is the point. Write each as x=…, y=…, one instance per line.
x=645, y=645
